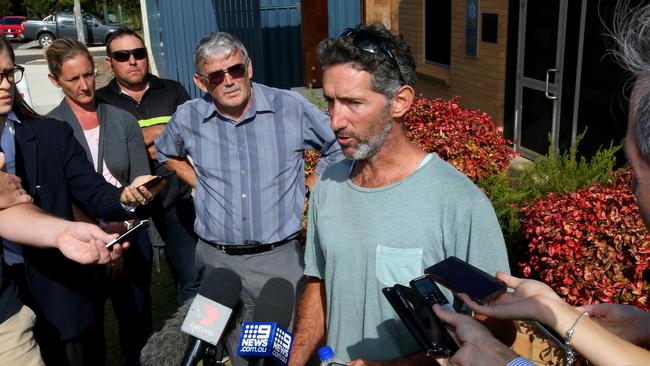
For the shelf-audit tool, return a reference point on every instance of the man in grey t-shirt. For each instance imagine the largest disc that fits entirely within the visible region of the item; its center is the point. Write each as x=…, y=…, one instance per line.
x=384, y=214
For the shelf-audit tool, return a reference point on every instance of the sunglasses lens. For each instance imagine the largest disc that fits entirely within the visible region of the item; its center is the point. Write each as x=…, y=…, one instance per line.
x=235, y=71
x=120, y=56
x=139, y=53
x=125, y=55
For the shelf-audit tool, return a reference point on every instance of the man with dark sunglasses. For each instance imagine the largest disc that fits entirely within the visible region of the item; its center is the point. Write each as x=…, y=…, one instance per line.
x=385, y=213
x=246, y=141
x=153, y=101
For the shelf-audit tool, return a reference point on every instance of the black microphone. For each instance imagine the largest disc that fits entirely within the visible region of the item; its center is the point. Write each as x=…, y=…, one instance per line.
x=266, y=338
x=209, y=313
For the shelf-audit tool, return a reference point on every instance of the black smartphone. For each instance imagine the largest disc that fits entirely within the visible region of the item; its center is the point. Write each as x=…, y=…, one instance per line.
x=551, y=334
x=420, y=320
x=129, y=233
x=430, y=292
x=155, y=180
x=460, y=276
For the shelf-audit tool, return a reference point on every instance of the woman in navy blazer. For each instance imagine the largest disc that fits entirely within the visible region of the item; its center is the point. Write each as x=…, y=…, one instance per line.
x=66, y=296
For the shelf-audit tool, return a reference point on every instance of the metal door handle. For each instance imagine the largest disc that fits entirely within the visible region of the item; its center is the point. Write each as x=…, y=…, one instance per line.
x=548, y=74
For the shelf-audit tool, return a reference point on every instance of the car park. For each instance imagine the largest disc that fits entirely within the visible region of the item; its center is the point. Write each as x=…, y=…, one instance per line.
x=63, y=25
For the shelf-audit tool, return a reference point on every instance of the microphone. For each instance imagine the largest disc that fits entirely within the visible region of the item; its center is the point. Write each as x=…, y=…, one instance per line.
x=266, y=338
x=209, y=313
x=163, y=347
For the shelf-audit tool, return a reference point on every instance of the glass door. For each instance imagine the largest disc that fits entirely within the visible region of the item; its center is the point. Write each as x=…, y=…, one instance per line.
x=542, y=26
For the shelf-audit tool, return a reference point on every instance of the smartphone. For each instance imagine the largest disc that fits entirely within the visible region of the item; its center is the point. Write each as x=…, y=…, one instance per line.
x=460, y=276
x=420, y=320
x=430, y=292
x=129, y=233
x=551, y=334
x=155, y=180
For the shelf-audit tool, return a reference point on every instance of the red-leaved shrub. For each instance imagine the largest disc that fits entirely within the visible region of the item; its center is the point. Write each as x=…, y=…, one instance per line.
x=468, y=139
x=591, y=245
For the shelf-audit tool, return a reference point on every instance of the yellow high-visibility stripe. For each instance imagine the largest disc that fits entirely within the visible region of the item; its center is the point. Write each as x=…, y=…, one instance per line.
x=154, y=121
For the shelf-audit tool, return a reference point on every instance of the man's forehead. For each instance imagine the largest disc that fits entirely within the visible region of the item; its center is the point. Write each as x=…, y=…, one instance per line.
x=118, y=42
x=347, y=76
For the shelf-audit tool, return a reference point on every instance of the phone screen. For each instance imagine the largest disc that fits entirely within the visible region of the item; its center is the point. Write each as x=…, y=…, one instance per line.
x=425, y=286
x=460, y=276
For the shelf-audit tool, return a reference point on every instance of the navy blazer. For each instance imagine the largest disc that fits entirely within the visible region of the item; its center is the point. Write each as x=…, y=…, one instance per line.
x=55, y=170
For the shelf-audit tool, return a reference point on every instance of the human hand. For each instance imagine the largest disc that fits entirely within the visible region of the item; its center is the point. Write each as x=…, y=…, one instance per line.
x=137, y=194
x=478, y=347
x=530, y=300
x=626, y=321
x=11, y=191
x=151, y=151
x=114, y=227
x=86, y=244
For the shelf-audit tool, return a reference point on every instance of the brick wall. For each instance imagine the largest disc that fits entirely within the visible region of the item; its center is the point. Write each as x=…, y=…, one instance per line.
x=480, y=81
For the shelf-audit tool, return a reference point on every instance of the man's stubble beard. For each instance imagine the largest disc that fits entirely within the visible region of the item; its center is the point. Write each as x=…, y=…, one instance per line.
x=368, y=148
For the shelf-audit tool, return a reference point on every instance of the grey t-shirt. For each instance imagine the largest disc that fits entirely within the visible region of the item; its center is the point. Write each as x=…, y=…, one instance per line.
x=360, y=240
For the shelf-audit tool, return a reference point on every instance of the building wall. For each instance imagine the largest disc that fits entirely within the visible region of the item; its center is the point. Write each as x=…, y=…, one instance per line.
x=479, y=81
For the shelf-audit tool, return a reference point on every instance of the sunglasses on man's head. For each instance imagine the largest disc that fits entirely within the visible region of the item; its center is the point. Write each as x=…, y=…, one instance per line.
x=125, y=55
x=216, y=78
x=367, y=41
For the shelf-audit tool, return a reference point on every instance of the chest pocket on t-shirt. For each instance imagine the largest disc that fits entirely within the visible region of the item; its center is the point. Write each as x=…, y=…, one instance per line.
x=398, y=265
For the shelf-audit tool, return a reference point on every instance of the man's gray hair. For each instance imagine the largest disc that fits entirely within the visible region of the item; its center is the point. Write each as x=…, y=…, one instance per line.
x=631, y=32
x=217, y=44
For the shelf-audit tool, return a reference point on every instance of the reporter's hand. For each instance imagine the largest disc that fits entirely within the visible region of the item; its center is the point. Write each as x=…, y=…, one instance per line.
x=529, y=301
x=136, y=194
x=478, y=347
x=626, y=321
x=11, y=191
x=86, y=244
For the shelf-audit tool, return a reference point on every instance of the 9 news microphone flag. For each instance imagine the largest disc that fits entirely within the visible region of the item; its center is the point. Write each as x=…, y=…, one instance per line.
x=211, y=309
x=266, y=337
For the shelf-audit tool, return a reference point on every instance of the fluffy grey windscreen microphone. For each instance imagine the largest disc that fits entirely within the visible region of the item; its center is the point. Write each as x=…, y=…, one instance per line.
x=166, y=346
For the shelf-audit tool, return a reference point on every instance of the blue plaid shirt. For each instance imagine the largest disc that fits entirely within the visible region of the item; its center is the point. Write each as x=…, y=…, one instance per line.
x=249, y=174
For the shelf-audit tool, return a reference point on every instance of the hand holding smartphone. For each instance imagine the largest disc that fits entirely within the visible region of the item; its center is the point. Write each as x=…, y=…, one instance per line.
x=418, y=317
x=460, y=276
x=157, y=179
x=129, y=233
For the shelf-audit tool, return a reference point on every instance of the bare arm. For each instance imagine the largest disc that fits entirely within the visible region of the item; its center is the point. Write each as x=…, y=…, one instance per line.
x=184, y=170
x=81, y=242
x=533, y=300
x=310, y=323
x=311, y=180
x=150, y=134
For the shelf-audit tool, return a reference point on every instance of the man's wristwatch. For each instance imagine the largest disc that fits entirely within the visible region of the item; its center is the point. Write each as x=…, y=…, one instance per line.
x=307, y=191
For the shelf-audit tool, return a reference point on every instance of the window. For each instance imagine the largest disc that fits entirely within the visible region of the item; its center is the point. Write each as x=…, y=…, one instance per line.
x=437, y=32
x=66, y=19
x=13, y=21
